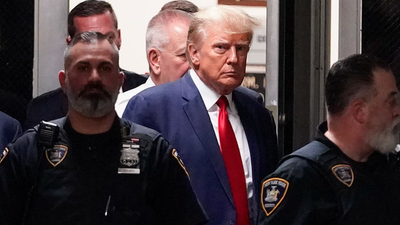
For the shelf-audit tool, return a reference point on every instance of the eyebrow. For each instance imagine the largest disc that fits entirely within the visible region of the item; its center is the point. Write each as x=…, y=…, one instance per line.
x=102, y=63
x=106, y=63
x=110, y=33
x=82, y=63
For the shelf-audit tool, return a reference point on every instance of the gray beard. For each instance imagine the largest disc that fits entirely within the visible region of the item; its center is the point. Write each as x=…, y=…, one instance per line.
x=94, y=106
x=384, y=141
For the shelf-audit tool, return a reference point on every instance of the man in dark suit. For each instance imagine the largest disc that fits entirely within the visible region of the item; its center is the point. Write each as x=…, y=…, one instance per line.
x=87, y=16
x=187, y=113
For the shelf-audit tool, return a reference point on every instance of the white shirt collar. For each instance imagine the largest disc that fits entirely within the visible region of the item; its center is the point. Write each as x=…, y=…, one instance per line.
x=209, y=96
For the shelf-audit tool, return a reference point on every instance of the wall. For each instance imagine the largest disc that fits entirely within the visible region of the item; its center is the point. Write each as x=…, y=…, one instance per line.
x=133, y=18
x=51, y=31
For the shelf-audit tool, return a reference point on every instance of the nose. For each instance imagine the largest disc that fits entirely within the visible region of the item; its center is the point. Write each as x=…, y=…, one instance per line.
x=232, y=55
x=94, y=75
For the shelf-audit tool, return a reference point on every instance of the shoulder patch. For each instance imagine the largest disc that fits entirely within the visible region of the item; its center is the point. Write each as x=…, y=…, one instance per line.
x=3, y=154
x=273, y=191
x=57, y=154
x=344, y=174
x=176, y=156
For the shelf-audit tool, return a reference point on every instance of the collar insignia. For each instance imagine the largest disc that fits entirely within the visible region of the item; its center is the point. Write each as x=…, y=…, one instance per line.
x=344, y=174
x=272, y=193
x=57, y=154
x=3, y=154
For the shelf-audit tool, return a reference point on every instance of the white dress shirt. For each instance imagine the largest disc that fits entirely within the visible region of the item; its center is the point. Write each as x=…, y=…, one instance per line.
x=124, y=97
x=210, y=98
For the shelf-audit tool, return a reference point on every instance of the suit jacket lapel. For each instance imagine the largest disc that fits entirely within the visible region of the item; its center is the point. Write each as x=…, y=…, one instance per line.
x=197, y=114
x=250, y=128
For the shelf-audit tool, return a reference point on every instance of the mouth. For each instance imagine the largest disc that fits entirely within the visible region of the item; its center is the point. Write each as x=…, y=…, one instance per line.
x=94, y=91
x=396, y=127
x=231, y=73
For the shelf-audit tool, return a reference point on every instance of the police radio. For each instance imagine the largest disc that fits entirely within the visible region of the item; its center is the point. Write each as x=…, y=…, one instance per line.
x=47, y=134
x=46, y=138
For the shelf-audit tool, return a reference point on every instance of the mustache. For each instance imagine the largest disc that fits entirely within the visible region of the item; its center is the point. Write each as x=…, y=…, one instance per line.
x=396, y=125
x=94, y=86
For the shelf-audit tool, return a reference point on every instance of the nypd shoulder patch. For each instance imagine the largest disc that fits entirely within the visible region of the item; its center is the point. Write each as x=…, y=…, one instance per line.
x=272, y=193
x=344, y=173
x=57, y=154
x=176, y=156
x=3, y=154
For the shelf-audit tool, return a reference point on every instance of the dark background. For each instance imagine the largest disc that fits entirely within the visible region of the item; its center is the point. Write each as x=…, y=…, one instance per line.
x=16, y=56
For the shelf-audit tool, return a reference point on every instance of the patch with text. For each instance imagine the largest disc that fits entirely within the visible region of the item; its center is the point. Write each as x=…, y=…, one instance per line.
x=344, y=174
x=57, y=154
x=272, y=193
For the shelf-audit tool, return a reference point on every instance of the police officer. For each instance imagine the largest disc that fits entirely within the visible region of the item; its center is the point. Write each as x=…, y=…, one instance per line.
x=92, y=167
x=348, y=174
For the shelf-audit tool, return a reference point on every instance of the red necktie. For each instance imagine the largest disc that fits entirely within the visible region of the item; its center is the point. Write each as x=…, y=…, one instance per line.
x=233, y=163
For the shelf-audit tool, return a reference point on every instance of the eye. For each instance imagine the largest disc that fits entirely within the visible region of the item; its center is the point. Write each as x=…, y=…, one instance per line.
x=83, y=68
x=242, y=49
x=106, y=68
x=220, y=48
x=393, y=100
x=396, y=100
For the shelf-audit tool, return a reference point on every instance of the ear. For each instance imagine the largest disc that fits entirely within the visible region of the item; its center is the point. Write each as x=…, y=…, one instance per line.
x=62, y=79
x=119, y=39
x=193, y=54
x=153, y=57
x=121, y=79
x=68, y=39
x=359, y=111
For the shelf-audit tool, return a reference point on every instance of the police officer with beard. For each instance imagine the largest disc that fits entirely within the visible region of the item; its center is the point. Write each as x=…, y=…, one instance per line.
x=348, y=174
x=92, y=167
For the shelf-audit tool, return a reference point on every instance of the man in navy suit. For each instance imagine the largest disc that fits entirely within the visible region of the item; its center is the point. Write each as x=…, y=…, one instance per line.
x=186, y=113
x=87, y=16
x=9, y=130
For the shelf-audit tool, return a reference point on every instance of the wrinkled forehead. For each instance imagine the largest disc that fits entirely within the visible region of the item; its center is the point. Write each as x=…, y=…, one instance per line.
x=94, y=50
x=227, y=30
x=102, y=23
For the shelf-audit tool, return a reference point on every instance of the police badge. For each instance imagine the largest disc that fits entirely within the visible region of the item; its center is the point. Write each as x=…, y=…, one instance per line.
x=272, y=193
x=130, y=160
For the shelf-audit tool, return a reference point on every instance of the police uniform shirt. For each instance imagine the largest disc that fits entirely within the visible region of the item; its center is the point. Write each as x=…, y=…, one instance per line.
x=78, y=182
x=331, y=188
